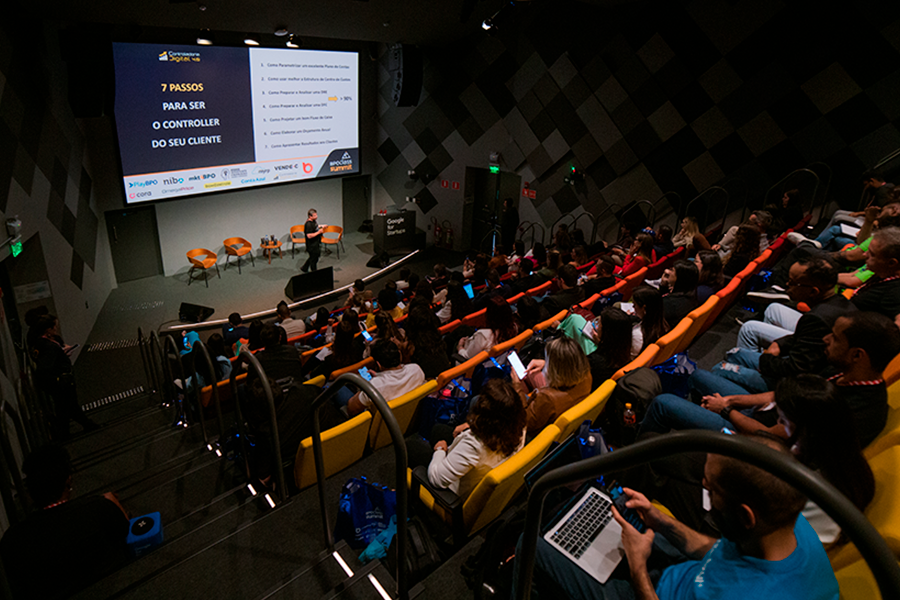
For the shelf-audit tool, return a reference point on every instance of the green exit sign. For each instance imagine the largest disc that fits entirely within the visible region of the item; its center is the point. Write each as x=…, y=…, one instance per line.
x=495, y=169
x=16, y=248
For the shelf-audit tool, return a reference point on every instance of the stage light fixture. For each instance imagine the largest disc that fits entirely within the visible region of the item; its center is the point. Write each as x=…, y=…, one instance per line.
x=204, y=38
x=281, y=31
x=293, y=42
x=251, y=40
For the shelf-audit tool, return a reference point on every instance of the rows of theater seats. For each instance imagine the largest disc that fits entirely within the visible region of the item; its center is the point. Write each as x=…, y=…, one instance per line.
x=349, y=442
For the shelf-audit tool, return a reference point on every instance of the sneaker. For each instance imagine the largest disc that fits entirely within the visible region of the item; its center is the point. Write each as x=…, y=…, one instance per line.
x=796, y=237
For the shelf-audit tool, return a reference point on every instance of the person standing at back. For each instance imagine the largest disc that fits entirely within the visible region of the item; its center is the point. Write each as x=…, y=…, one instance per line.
x=313, y=232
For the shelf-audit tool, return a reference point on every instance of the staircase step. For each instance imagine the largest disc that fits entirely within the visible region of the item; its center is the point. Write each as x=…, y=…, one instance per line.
x=317, y=578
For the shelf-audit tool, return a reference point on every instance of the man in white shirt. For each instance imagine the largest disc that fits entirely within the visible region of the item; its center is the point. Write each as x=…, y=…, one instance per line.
x=292, y=327
x=393, y=378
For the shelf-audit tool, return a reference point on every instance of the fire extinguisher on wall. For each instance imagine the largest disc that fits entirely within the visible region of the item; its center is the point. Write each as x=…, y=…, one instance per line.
x=437, y=232
x=448, y=232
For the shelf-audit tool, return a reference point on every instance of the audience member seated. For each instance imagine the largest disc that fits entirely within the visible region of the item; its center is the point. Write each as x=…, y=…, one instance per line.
x=744, y=250
x=385, y=329
x=878, y=193
x=457, y=306
x=565, y=380
x=501, y=326
x=403, y=282
x=347, y=349
x=494, y=286
x=498, y=260
x=788, y=213
x=768, y=550
x=424, y=345
x=68, y=543
x=812, y=282
x=387, y=302
x=525, y=278
x=392, y=379
x=277, y=359
x=475, y=269
x=639, y=256
x=711, y=277
x=690, y=237
x=254, y=342
x=612, y=334
x=356, y=297
x=748, y=370
x=579, y=257
x=320, y=320
x=663, y=245
x=518, y=253
x=552, y=265
x=235, y=329
x=679, y=288
x=291, y=326
x=859, y=348
x=882, y=292
x=538, y=254
x=440, y=277
x=218, y=353
x=494, y=430
x=601, y=278
x=568, y=294
x=761, y=219
x=562, y=240
x=648, y=307
x=528, y=313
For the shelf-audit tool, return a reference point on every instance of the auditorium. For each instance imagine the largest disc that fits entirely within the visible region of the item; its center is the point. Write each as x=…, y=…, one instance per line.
x=481, y=299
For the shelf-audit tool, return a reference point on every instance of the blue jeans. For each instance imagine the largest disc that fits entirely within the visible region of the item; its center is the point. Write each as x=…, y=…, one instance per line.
x=779, y=321
x=833, y=238
x=741, y=367
x=668, y=411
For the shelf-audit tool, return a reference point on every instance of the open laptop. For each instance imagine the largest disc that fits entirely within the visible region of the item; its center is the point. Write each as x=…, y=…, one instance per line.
x=584, y=529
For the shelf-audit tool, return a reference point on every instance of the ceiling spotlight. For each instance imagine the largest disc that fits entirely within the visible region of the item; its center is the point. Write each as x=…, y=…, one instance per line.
x=281, y=31
x=487, y=24
x=204, y=38
x=492, y=23
x=251, y=40
x=293, y=41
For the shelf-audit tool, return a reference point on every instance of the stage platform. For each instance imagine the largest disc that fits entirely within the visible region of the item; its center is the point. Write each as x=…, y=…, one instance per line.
x=153, y=303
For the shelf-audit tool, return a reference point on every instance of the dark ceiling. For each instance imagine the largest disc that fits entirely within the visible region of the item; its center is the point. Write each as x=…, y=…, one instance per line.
x=421, y=22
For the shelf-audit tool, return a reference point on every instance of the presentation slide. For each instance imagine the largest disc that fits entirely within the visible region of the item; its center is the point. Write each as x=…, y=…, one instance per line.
x=194, y=119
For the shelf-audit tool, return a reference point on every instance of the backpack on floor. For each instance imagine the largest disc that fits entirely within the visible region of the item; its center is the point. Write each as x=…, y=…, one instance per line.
x=422, y=553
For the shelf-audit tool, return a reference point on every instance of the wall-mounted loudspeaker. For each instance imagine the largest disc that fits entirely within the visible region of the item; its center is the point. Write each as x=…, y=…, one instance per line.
x=406, y=66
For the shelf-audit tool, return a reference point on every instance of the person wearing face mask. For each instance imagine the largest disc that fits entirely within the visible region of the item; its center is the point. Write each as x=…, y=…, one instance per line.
x=766, y=550
x=567, y=374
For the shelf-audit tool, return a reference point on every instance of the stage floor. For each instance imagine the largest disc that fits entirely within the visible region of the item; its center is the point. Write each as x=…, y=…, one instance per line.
x=153, y=303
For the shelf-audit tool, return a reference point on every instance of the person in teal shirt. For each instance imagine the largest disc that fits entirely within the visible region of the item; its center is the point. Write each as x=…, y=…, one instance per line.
x=767, y=549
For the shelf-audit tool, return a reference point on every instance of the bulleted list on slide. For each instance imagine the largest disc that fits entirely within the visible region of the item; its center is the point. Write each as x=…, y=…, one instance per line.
x=304, y=105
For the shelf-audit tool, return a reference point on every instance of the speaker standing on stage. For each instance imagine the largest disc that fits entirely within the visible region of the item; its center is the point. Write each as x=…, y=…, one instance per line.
x=313, y=232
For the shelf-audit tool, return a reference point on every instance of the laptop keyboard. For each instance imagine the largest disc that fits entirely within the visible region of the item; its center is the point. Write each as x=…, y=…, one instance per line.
x=589, y=519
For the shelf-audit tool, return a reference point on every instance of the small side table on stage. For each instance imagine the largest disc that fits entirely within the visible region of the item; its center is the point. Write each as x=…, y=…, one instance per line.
x=268, y=248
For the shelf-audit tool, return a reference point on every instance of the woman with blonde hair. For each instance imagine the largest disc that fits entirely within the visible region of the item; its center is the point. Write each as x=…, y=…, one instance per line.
x=568, y=381
x=690, y=237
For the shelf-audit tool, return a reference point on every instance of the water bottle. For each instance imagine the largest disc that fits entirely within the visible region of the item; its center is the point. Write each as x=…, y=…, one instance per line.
x=629, y=418
x=629, y=432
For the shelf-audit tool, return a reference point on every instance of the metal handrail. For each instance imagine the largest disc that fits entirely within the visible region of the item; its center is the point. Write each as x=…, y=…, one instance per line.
x=274, y=439
x=710, y=191
x=199, y=345
x=170, y=380
x=151, y=387
x=610, y=208
x=9, y=457
x=885, y=160
x=852, y=522
x=529, y=226
x=676, y=212
x=574, y=220
x=649, y=220
x=587, y=214
x=157, y=360
x=827, y=185
x=781, y=181
x=400, y=458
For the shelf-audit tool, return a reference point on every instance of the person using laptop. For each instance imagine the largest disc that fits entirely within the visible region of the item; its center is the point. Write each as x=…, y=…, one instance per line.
x=767, y=549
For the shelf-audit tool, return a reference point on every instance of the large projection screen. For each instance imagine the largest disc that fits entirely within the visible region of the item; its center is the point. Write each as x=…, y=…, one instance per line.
x=200, y=119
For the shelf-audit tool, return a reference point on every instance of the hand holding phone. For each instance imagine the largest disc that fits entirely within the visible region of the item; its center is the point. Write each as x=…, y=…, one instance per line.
x=366, y=335
x=517, y=365
x=469, y=292
x=364, y=372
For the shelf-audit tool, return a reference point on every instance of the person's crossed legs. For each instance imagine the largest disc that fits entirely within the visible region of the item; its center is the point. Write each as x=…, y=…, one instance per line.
x=779, y=321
